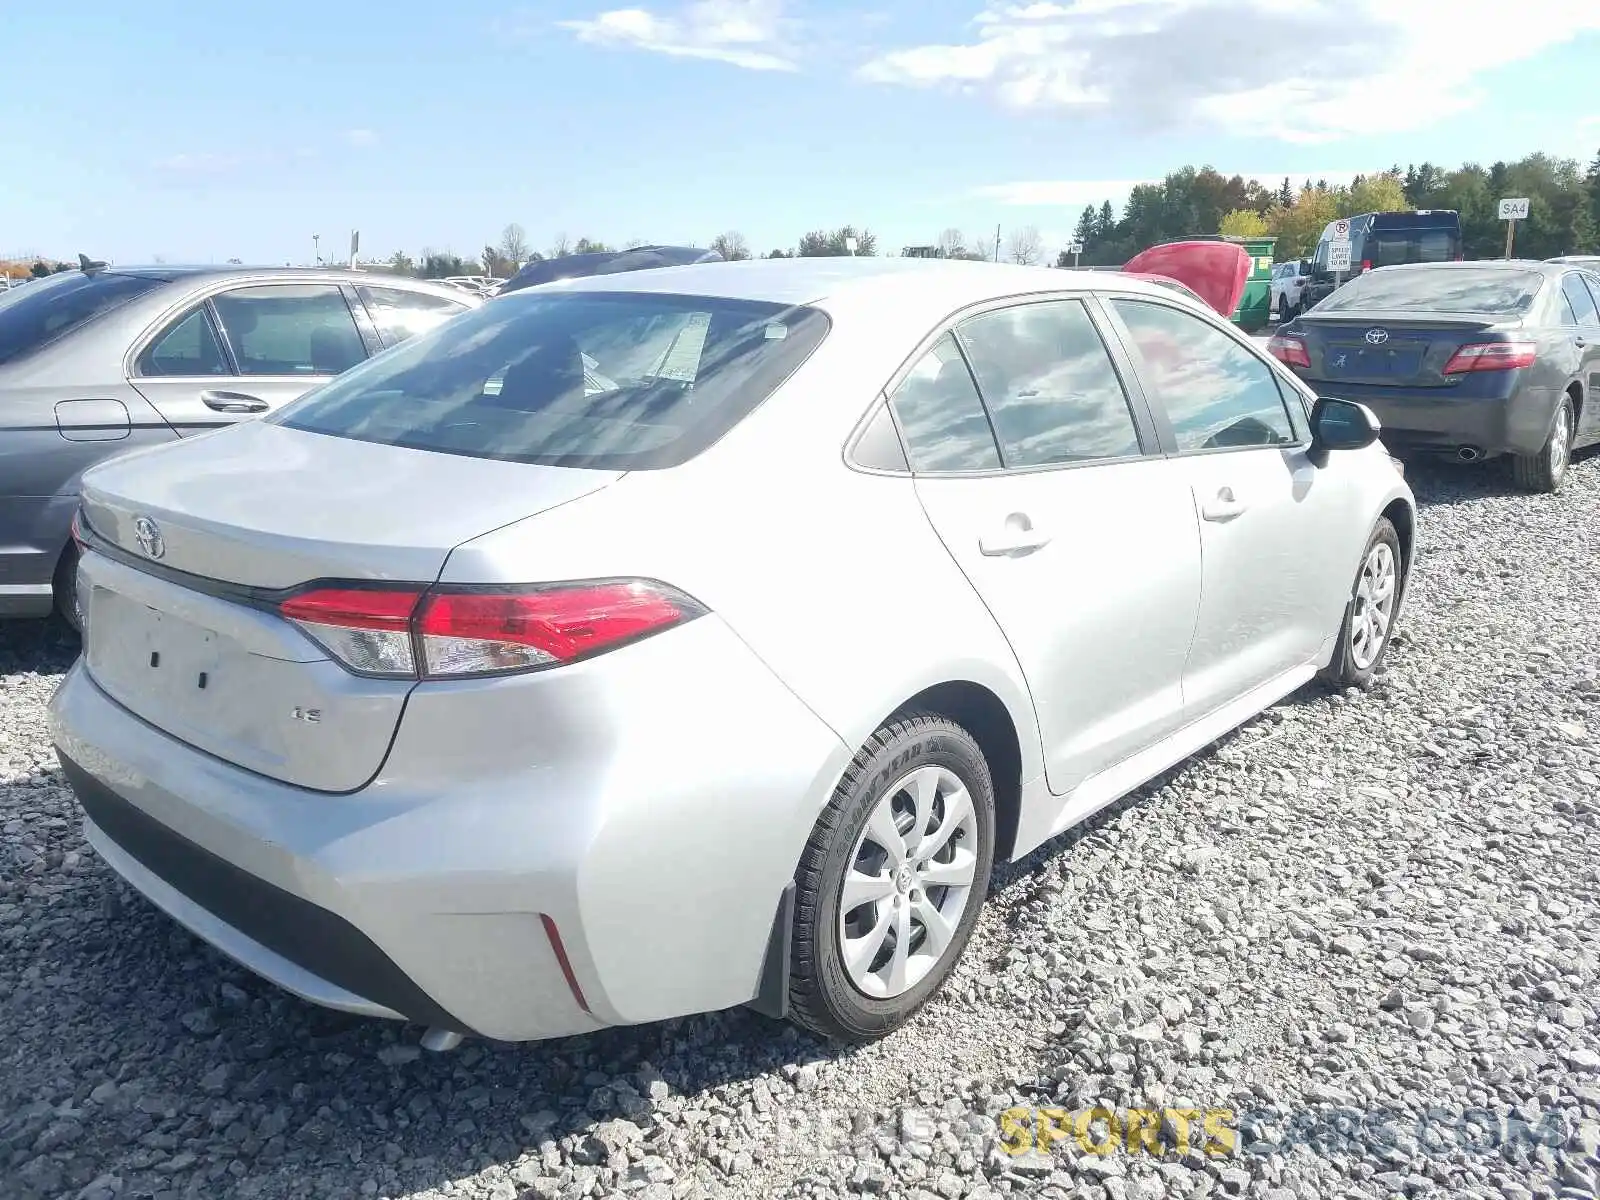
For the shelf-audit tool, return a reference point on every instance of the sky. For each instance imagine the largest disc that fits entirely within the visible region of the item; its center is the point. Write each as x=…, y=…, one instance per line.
x=199, y=132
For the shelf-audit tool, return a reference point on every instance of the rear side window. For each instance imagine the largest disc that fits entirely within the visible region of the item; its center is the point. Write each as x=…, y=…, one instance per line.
x=400, y=314
x=1049, y=385
x=941, y=416
x=614, y=381
x=1216, y=393
x=186, y=347
x=290, y=329
x=1489, y=290
x=1583, y=306
x=49, y=309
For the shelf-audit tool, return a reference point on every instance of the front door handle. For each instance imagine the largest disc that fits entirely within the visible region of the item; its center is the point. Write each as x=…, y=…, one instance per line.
x=1579, y=342
x=1224, y=506
x=1016, y=536
x=233, y=402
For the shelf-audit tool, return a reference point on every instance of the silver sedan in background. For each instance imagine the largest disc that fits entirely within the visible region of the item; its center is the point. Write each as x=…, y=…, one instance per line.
x=521, y=697
x=99, y=361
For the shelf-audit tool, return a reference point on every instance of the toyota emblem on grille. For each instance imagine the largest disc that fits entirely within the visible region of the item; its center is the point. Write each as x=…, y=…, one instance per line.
x=148, y=534
x=1377, y=336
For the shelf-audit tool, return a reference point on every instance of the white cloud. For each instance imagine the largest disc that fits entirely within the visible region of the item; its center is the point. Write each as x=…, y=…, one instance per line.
x=361, y=137
x=753, y=34
x=1311, y=71
x=201, y=163
x=1075, y=193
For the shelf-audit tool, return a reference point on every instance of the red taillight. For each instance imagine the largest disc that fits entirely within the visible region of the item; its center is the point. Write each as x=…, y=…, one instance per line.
x=1491, y=356
x=483, y=631
x=1289, y=350
x=353, y=608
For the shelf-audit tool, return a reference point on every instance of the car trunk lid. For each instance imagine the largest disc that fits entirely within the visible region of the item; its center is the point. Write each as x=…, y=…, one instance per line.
x=180, y=608
x=1390, y=349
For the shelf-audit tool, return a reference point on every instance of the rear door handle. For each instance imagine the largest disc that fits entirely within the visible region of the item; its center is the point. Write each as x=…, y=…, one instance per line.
x=1224, y=506
x=233, y=402
x=1016, y=536
x=1579, y=342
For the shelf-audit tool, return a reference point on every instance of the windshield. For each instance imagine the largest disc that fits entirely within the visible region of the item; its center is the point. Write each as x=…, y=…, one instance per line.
x=606, y=380
x=1487, y=290
x=49, y=309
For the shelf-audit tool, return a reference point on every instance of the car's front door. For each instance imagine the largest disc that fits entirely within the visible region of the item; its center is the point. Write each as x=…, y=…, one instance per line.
x=1272, y=525
x=246, y=351
x=1041, y=477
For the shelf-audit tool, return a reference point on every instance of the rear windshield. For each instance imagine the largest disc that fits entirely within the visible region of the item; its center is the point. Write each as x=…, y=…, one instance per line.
x=1486, y=290
x=613, y=381
x=43, y=312
x=1391, y=247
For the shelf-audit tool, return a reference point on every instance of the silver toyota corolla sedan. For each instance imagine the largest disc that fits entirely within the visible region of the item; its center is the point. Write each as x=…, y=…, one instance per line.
x=651, y=644
x=100, y=361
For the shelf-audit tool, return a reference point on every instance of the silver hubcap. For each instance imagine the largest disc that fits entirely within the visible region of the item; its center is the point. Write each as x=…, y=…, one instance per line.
x=1560, y=440
x=908, y=883
x=1375, y=592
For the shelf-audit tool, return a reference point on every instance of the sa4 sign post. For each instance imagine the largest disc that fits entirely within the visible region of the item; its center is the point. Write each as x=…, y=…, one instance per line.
x=1511, y=211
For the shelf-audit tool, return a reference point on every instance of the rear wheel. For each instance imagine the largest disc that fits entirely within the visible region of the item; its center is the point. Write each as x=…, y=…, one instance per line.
x=1369, y=616
x=892, y=880
x=68, y=603
x=1544, y=471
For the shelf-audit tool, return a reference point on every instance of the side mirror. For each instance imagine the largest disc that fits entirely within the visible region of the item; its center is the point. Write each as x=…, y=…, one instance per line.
x=1341, y=425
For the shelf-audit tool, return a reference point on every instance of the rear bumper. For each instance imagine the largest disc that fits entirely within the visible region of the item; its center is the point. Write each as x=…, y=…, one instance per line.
x=1442, y=421
x=431, y=894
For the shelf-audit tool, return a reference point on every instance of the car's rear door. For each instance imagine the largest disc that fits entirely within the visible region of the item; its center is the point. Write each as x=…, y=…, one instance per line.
x=245, y=351
x=1040, y=473
x=1585, y=303
x=1275, y=531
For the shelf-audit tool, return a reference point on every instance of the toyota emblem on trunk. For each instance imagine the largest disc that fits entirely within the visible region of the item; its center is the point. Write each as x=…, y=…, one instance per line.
x=1377, y=336
x=148, y=534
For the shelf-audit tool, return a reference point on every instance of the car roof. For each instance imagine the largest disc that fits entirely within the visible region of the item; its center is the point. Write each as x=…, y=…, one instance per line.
x=176, y=274
x=811, y=281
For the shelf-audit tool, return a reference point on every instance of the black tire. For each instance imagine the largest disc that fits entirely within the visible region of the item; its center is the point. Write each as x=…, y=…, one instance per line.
x=1344, y=670
x=1544, y=471
x=822, y=996
x=65, y=587
x=1286, y=311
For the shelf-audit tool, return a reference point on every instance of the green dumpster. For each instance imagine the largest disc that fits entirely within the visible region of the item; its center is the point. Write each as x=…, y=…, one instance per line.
x=1255, y=306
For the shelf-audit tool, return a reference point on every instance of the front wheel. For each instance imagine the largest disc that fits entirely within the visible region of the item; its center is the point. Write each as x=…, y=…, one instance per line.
x=1544, y=471
x=1369, y=616
x=892, y=880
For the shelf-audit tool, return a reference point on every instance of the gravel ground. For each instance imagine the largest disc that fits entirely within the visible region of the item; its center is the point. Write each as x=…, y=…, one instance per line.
x=1363, y=905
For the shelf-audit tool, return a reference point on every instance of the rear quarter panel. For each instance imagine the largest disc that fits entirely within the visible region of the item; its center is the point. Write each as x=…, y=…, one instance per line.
x=833, y=576
x=48, y=439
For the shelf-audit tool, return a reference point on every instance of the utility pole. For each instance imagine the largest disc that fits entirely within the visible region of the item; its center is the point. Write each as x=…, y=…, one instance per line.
x=997, y=243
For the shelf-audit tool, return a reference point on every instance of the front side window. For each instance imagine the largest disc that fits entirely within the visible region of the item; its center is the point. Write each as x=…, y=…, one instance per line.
x=615, y=381
x=1049, y=385
x=941, y=416
x=401, y=314
x=186, y=347
x=290, y=329
x=1217, y=394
